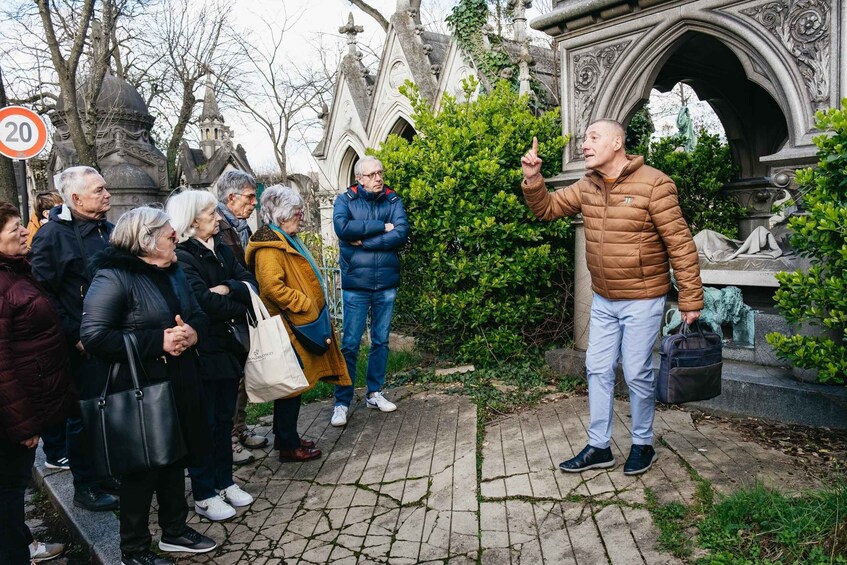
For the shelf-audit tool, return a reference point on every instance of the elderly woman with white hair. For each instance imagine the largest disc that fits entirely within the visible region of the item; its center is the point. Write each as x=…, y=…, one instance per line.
x=139, y=289
x=290, y=284
x=219, y=282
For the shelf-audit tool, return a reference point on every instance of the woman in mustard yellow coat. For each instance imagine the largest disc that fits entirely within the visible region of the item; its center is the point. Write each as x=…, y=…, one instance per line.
x=290, y=284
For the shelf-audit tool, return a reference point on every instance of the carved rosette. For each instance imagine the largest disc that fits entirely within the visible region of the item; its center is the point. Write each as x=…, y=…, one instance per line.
x=590, y=70
x=803, y=27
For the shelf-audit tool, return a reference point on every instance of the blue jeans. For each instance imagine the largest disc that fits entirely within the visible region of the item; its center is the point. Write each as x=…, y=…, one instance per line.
x=215, y=470
x=622, y=330
x=358, y=305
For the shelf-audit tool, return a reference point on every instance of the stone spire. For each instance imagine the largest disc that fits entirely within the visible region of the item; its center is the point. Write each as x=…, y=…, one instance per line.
x=210, y=105
x=519, y=8
x=351, y=30
x=214, y=133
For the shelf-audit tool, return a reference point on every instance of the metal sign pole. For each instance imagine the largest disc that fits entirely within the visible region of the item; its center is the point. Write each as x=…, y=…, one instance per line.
x=23, y=193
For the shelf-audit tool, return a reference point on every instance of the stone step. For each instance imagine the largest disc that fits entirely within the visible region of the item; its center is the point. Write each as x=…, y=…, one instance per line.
x=747, y=390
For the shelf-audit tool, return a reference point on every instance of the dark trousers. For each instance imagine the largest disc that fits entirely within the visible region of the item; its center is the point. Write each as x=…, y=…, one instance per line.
x=215, y=471
x=89, y=377
x=15, y=472
x=286, y=414
x=136, y=496
x=55, y=442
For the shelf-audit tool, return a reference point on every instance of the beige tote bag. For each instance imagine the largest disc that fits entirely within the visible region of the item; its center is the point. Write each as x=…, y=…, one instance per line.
x=272, y=370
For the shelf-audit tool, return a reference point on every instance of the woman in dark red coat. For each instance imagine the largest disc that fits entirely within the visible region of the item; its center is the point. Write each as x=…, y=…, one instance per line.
x=35, y=386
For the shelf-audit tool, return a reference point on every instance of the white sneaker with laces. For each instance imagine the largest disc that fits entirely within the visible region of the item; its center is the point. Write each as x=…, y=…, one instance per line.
x=376, y=400
x=236, y=496
x=339, y=416
x=214, y=508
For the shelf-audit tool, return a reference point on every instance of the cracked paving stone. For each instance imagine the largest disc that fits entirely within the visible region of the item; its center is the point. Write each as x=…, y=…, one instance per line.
x=493, y=489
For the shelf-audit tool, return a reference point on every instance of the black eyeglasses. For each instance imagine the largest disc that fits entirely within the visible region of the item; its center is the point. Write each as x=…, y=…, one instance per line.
x=374, y=174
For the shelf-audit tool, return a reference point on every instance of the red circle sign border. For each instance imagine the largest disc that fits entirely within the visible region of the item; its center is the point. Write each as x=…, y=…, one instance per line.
x=41, y=141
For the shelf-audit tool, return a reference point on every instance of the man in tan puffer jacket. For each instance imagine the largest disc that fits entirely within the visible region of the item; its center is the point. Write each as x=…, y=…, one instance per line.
x=633, y=229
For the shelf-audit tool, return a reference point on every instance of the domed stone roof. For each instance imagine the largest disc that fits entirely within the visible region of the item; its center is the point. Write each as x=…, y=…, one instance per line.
x=116, y=94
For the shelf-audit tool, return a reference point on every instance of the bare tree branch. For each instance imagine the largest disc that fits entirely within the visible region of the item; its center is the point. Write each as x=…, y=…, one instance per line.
x=372, y=12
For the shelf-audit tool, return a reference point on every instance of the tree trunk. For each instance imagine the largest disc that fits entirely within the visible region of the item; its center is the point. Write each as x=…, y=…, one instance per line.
x=185, y=111
x=8, y=182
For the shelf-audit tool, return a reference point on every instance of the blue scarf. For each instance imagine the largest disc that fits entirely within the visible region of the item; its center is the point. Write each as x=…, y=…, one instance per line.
x=241, y=227
x=301, y=248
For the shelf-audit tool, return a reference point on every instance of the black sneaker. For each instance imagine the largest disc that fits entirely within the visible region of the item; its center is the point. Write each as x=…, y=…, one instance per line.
x=60, y=464
x=146, y=557
x=641, y=458
x=94, y=499
x=589, y=458
x=190, y=542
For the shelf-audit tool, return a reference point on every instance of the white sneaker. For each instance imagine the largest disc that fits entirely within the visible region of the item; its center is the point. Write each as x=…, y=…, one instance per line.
x=236, y=496
x=214, y=508
x=383, y=404
x=339, y=416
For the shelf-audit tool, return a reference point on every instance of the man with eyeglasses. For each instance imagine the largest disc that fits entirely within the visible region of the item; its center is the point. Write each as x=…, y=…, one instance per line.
x=371, y=226
x=236, y=202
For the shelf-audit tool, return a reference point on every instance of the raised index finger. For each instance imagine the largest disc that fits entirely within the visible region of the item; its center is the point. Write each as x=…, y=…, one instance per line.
x=535, y=146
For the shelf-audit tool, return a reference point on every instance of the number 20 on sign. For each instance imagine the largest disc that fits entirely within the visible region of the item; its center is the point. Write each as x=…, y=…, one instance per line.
x=22, y=133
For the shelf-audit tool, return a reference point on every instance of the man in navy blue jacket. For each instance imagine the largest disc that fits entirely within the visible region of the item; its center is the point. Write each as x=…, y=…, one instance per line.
x=371, y=226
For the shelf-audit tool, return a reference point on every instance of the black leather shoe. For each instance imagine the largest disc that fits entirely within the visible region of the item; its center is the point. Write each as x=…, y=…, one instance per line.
x=190, y=541
x=144, y=558
x=111, y=485
x=641, y=458
x=95, y=500
x=589, y=458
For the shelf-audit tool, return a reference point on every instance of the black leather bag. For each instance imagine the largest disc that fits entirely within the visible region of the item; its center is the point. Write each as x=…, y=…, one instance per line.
x=240, y=334
x=315, y=337
x=691, y=364
x=132, y=430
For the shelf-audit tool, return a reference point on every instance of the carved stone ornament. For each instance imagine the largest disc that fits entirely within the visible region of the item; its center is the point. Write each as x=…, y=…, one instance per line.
x=590, y=71
x=803, y=27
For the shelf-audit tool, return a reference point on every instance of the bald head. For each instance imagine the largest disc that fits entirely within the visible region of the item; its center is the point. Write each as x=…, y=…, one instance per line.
x=603, y=148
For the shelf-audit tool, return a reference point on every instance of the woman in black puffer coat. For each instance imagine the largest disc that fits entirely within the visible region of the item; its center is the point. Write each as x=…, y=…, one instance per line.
x=35, y=385
x=219, y=284
x=139, y=289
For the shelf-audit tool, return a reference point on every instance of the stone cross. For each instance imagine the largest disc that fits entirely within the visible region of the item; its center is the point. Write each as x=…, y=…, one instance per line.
x=351, y=30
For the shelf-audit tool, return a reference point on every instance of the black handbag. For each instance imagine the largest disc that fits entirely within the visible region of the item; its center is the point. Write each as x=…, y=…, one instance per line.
x=133, y=430
x=315, y=337
x=691, y=364
x=240, y=334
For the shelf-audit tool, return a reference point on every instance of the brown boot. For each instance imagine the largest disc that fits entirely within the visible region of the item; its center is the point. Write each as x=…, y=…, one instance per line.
x=299, y=454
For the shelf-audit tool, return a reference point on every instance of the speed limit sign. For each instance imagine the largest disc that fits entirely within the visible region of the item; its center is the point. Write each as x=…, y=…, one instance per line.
x=22, y=133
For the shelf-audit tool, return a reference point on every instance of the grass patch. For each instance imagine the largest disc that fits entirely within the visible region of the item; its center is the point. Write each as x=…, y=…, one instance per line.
x=398, y=361
x=755, y=526
x=500, y=390
x=763, y=526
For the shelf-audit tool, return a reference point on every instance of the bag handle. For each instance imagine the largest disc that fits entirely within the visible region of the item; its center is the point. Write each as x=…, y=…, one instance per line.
x=133, y=360
x=685, y=329
x=259, y=308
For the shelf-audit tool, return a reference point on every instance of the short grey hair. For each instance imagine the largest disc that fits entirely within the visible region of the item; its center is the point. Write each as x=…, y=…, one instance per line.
x=232, y=182
x=72, y=181
x=137, y=230
x=357, y=168
x=279, y=204
x=184, y=207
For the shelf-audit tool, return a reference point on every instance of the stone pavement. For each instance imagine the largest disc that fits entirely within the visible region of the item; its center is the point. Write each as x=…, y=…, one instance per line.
x=402, y=488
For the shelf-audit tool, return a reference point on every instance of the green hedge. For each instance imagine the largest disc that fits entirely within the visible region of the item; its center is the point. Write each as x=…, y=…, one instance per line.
x=482, y=280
